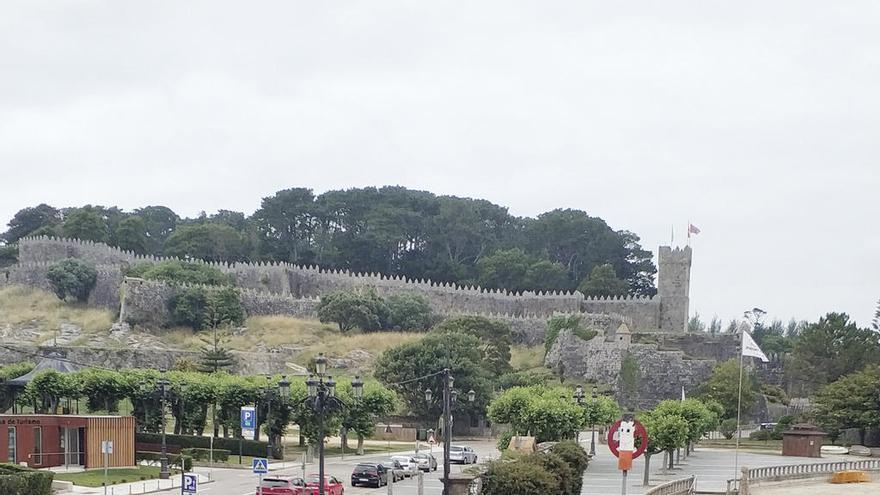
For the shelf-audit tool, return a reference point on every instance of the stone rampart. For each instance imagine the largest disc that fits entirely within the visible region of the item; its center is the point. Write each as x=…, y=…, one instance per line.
x=287, y=283
x=660, y=373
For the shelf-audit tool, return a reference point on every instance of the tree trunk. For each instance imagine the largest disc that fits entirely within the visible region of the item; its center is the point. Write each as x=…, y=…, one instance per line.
x=647, y=477
x=214, y=424
x=360, y=450
x=343, y=440
x=671, y=458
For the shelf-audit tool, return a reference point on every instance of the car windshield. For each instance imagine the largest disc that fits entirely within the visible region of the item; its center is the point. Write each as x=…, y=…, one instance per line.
x=455, y=449
x=421, y=456
x=365, y=468
x=313, y=480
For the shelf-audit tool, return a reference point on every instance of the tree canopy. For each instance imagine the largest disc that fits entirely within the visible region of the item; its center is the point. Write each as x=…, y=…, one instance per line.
x=72, y=278
x=391, y=230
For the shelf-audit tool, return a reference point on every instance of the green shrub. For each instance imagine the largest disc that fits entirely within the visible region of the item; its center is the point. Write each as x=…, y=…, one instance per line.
x=180, y=272
x=248, y=447
x=577, y=459
x=72, y=278
x=408, y=312
x=761, y=435
x=521, y=476
x=566, y=478
x=199, y=454
x=504, y=440
x=20, y=480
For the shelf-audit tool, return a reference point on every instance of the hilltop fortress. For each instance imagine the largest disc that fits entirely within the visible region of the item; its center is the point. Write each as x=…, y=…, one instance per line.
x=282, y=288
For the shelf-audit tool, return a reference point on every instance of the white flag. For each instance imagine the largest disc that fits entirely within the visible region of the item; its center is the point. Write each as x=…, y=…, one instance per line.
x=750, y=348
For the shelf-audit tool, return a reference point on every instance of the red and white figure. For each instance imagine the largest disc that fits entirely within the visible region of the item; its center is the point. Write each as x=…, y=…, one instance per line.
x=692, y=229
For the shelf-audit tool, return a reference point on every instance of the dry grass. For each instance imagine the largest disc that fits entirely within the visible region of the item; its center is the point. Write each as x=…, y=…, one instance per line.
x=524, y=358
x=27, y=307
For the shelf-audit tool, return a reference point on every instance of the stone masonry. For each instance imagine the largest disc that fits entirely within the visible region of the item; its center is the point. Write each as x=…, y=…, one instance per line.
x=281, y=288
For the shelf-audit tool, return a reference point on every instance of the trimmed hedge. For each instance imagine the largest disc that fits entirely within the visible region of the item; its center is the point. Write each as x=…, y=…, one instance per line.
x=220, y=455
x=248, y=447
x=20, y=480
x=173, y=459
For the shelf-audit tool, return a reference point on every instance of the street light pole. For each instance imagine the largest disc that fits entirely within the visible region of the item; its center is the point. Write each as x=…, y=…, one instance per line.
x=448, y=381
x=164, y=473
x=268, y=395
x=593, y=423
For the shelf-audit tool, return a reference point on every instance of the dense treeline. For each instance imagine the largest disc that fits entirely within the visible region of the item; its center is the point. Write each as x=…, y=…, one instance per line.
x=391, y=230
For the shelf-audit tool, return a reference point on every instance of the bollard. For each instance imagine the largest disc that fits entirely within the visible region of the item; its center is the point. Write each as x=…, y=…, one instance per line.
x=421, y=483
x=390, y=484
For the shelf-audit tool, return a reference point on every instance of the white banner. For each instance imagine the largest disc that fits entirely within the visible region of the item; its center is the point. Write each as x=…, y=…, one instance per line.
x=750, y=348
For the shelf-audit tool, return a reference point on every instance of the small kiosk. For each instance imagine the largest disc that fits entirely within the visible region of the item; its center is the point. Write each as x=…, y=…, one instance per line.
x=803, y=440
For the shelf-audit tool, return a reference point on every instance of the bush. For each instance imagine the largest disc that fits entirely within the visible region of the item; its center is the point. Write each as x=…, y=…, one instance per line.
x=180, y=272
x=728, y=428
x=566, y=478
x=156, y=457
x=199, y=454
x=198, y=307
x=504, y=440
x=362, y=309
x=20, y=480
x=72, y=278
x=522, y=476
x=761, y=435
x=248, y=447
x=577, y=459
x=408, y=312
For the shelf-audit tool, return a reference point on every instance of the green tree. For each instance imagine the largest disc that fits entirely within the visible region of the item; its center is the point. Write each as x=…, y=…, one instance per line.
x=558, y=323
x=208, y=241
x=103, y=389
x=723, y=387
x=852, y=401
x=602, y=410
x=494, y=335
x=504, y=269
x=360, y=415
x=521, y=476
x=160, y=222
x=86, y=223
x=72, y=278
x=408, y=312
x=29, y=221
x=48, y=388
x=577, y=459
x=362, y=309
x=667, y=431
x=728, y=428
x=603, y=282
x=131, y=235
x=9, y=372
x=830, y=349
x=223, y=308
x=8, y=256
x=188, y=307
x=458, y=352
x=547, y=413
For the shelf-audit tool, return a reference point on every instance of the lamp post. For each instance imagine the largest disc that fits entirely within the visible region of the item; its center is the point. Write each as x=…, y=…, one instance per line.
x=268, y=396
x=162, y=388
x=322, y=400
x=449, y=398
x=579, y=398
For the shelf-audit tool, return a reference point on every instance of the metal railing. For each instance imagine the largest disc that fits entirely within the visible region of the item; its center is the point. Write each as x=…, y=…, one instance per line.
x=795, y=471
x=684, y=486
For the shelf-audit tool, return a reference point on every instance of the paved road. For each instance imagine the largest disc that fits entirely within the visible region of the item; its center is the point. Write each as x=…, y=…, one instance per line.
x=713, y=467
x=242, y=482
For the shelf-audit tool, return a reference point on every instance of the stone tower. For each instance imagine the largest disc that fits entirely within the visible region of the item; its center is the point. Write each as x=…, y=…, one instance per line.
x=673, y=288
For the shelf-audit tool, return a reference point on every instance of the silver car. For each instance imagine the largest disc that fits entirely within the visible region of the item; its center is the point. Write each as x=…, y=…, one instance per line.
x=409, y=464
x=463, y=455
x=427, y=462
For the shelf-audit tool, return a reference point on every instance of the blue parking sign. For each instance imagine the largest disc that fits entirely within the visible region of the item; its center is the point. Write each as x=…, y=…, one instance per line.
x=248, y=418
x=190, y=484
x=260, y=466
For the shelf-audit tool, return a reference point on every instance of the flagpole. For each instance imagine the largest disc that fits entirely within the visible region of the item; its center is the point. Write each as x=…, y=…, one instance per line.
x=672, y=235
x=689, y=233
x=738, y=408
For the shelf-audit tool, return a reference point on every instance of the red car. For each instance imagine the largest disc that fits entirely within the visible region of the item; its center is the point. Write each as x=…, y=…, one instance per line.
x=332, y=486
x=283, y=486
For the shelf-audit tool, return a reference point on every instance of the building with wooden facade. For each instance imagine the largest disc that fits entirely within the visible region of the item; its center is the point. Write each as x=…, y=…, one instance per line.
x=49, y=440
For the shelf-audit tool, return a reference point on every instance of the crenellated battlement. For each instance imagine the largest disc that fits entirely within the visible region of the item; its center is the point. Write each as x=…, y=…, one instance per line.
x=279, y=286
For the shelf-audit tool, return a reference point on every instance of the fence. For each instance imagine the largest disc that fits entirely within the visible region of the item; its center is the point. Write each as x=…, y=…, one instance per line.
x=684, y=486
x=795, y=471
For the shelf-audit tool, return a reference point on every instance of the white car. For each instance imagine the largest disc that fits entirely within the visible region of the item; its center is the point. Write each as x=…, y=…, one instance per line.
x=463, y=455
x=410, y=464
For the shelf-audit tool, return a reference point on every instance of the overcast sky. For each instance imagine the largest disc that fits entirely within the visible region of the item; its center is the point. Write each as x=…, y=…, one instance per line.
x=757, y=121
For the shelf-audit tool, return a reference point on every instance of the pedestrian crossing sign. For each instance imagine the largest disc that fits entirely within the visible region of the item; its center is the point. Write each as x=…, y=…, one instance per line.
x=260, y=466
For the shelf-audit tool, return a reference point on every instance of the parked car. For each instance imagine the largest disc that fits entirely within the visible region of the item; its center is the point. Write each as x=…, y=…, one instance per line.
x=463, y=455
x=374, y=475
x=282, y=485
x=409, y=463
x=332, y=486
x=427, y=462
x=398, y=470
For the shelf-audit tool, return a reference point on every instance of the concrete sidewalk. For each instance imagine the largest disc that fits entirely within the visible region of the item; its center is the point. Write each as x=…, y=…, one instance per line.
x=139, y=487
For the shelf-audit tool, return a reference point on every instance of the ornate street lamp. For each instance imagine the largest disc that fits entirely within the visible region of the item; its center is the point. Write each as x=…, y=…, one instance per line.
x=162, y=386
x=449, y=398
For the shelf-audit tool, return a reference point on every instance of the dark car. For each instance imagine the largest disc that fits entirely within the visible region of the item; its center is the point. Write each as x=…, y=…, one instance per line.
x=282, y=486
x=374, y=475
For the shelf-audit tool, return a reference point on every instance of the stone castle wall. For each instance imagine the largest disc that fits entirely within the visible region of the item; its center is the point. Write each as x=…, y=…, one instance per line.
x=281, y=288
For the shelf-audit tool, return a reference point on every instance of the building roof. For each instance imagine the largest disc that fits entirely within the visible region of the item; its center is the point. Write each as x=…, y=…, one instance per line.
x=52, y=361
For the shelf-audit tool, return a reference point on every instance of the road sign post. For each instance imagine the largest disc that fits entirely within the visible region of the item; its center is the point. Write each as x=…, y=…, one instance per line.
x=622, y=443
x=189, y=484
x=260, y=466
x=248, y=421
x=106, y=449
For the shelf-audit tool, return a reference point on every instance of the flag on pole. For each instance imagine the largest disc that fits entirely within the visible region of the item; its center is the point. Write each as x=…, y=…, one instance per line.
x=750, y=348
x=692, y=229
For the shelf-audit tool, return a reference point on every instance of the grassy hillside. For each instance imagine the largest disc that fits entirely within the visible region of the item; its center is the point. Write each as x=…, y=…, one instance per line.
x=35, y=312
